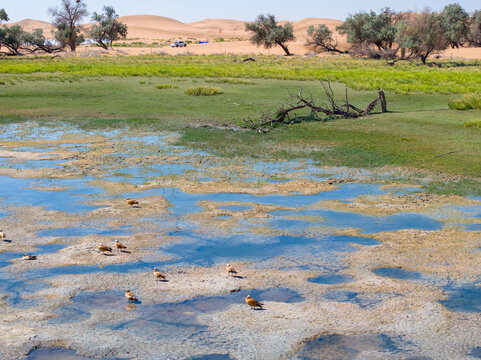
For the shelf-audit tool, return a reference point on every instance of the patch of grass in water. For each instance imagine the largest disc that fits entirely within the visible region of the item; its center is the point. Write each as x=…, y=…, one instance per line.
x=461, y=187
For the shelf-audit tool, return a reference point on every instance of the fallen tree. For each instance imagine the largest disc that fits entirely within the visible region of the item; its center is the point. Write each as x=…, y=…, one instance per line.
x=285, y=115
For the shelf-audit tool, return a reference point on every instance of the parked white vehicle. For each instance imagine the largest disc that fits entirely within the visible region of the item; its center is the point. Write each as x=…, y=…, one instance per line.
x=178, y=44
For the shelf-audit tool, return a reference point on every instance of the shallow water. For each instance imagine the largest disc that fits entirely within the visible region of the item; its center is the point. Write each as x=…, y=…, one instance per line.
x=476, y=353
x=85, y=230
x=341, y=347
x=398, y=273
x=331, y=279
x=463, y=298
x=293, y=240
x=59, y=354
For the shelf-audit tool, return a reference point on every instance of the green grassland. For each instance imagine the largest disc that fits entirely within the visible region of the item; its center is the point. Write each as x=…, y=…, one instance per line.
x=360, y=74
x=106, y=92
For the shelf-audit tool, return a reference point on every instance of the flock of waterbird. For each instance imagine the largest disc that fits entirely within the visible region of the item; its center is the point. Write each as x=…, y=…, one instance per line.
x=104, y=249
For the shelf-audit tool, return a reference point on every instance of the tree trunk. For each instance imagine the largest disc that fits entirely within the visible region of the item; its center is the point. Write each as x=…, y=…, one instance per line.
x=286, y=50
x=382, y=97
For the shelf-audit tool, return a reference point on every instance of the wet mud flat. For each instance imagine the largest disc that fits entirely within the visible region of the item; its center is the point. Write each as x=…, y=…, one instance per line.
x=347, y=267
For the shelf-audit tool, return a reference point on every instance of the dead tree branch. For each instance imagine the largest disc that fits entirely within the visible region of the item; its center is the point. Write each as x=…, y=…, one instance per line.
x=317, y=113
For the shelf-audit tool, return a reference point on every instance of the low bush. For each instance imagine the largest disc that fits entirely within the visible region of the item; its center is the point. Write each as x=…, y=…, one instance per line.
x=166, y=86
x=476, y=123
x=467, y=102
x=203, y=91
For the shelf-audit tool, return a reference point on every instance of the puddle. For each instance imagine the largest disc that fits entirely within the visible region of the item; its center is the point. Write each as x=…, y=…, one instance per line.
x=84, y=231
x=476, y=352
x=362, y=300
x=236, y=207
x=18, y=291
x=18, y=191
x=398, y=273
x=465, y=298
x=18, y=288
x=367, y=224
x=342, y=347
x=213, y=357
x=86, y=303
x=59, y=354
x=331, y=279
x=473, y=227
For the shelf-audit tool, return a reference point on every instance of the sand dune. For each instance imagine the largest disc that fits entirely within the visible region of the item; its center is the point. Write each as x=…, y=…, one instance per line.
x=30, y=24
x=302, y=25
x=156, y=27
x=151, y=27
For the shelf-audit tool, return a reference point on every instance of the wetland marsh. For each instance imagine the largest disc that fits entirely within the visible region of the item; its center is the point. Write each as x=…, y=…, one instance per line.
x=362, y=237
x=348, y=264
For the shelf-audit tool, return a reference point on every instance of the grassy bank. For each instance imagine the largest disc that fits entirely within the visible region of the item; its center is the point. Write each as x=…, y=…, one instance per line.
x=453, y=77
x=417, y=128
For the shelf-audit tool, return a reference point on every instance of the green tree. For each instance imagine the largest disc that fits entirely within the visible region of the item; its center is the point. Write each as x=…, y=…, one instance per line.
x=107, y=28
x=371, y=28
x=421, y=35
x=267, y=33
x=455, y=23
x=36, y=41
x=320, y=38
x=3, y=15
x=13, y=38
x=67, y=18
x=474, y=35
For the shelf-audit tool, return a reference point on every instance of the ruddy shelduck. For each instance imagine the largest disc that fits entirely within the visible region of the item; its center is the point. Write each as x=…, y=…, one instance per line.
x=230, y=270
x=130, y=296
x=253, y=303
x=159, y=275
x=103, y=249
x=131, y=202
x=119, y=245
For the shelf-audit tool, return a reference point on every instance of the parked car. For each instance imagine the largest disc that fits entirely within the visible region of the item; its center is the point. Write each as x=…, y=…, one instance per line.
x=178, y=44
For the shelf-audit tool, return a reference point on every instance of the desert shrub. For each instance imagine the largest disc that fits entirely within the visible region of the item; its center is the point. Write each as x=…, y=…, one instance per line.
x=230, y=81
x=203, y=91
x=475, y=123
x=166, y=86
x=467, y=102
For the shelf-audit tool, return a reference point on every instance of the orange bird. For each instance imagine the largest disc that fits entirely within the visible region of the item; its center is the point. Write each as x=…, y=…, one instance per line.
x=159, y=275
x=119, y=245
x=27, y=257
x=253, y=303
x=230, y=270
x=130, y=296
x=131, y=202
x=2, y=235
x=103, y=249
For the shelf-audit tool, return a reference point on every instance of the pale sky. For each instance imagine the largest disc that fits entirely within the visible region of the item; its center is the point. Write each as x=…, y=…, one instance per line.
x=246, y=10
